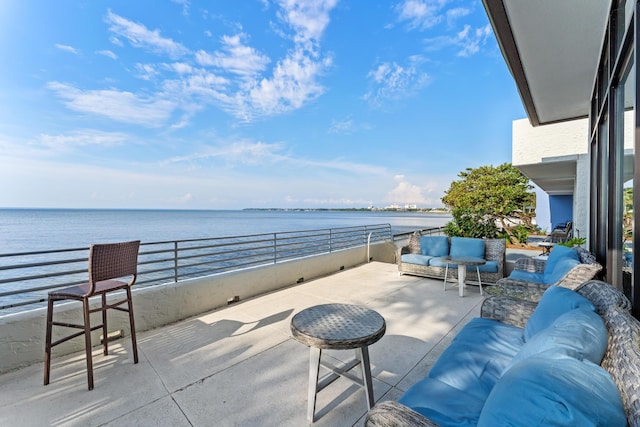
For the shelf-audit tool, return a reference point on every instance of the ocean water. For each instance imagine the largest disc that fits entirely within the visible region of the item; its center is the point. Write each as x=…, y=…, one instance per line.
x=27, y=230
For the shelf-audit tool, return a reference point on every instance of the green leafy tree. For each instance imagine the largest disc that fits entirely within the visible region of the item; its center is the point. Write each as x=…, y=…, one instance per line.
x=487, y=196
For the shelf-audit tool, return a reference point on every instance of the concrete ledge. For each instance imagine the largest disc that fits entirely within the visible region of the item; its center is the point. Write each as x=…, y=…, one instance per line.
x=22, y=334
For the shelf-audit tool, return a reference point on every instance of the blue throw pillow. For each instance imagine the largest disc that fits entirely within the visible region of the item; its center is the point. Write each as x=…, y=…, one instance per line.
x=578, y=333
x=554, y=392
x=554, y=303
x=557, y=253
x=562, y=267
x=467, y=246
x=434, y=246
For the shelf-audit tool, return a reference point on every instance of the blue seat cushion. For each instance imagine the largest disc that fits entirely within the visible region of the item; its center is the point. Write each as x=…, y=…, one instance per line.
x=488, y=267
x=557, y=253
x=443, y=404
x=529, y=276
x=558, y=391
x=477, y=356
x=434, y=246
x=562, y=267
x=415, y=259
x=579, y=333
x=554, y=303
x=467, y=246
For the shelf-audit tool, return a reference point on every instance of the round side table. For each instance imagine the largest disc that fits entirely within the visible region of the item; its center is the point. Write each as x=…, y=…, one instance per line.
x=337, y=327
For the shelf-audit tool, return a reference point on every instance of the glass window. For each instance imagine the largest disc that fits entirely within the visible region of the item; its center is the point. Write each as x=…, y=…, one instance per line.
x=627, y=154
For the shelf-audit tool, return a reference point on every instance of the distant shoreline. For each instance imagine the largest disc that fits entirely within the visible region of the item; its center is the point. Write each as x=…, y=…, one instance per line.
x=420, y=210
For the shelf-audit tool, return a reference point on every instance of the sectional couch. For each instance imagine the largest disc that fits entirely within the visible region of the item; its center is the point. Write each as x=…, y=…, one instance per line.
x=571, y=359
x=421, y=256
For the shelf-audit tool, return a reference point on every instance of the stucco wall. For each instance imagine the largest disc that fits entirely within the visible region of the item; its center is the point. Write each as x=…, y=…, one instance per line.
x=532, y=144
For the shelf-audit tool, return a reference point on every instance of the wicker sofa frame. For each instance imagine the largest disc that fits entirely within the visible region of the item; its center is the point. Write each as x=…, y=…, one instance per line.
x=621, y=360
x=494, y=250
x=533, y=291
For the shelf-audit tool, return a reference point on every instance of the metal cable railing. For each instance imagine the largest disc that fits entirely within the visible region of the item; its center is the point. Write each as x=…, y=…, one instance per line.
x=26, y=277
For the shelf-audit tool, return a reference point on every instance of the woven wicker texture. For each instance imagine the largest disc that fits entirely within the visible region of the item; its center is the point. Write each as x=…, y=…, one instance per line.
x=622, y=359
x=337, y=326
x=494, y=250
x=394, y=414
x=513, y=311
x=603, y=296
x=530, y=291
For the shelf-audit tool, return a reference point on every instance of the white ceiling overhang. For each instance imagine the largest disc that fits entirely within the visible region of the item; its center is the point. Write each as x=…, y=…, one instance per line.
x=552, y=48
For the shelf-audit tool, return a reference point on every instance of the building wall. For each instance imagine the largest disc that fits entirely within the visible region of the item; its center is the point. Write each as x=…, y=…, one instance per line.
x=540, y=145
x=530, y=145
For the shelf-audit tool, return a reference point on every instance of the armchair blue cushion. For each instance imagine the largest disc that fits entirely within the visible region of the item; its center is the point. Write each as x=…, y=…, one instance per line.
x=562, y=267
x=554, y=390
x=557, y=253
x=554, y=303
x=443, y=404
x=434, y=246
x=467, y=246
x=579, y=333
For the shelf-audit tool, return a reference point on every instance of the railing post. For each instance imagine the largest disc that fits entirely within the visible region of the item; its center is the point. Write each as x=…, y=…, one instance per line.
x=368, y=246
x=330, y=240
x=175, y=261
x=275, y=248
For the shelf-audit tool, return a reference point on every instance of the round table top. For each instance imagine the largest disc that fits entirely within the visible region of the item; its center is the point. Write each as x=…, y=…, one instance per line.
x=337, y=326
x=463, y=260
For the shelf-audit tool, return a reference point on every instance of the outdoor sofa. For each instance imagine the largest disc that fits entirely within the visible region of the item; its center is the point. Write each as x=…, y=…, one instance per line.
x=571, y=359
x=566, y=267
x=422, y=256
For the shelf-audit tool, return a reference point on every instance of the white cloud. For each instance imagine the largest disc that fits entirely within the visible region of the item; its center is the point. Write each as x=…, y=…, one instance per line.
x=117, y=105
x=420, y=14
x=107, y=53
x=344, y=126
x=308, y=18
x=67, y=48
x=83, y=137
x=471, y=40
x=185, y=6
x=391, y=81
x=468, y=41
x=236, y=57
x=140, y=36
x=407, y=193
x=457, y=13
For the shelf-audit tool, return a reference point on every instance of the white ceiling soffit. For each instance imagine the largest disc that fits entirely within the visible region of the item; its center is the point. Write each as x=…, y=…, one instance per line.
x=554, y=178
x=552, y=48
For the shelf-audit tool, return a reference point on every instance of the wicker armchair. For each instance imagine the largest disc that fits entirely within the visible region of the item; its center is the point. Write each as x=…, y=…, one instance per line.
x=532, y=291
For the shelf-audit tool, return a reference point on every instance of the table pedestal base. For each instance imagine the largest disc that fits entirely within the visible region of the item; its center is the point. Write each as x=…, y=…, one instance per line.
x=462, y=279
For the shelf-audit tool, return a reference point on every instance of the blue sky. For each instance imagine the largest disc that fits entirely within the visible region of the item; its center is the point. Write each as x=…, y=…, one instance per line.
x=185, y=104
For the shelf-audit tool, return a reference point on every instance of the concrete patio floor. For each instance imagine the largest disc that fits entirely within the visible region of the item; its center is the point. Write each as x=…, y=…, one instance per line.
x=240, y=366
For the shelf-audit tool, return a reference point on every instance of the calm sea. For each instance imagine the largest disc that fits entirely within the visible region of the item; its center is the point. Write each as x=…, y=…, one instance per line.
x=26, y=230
